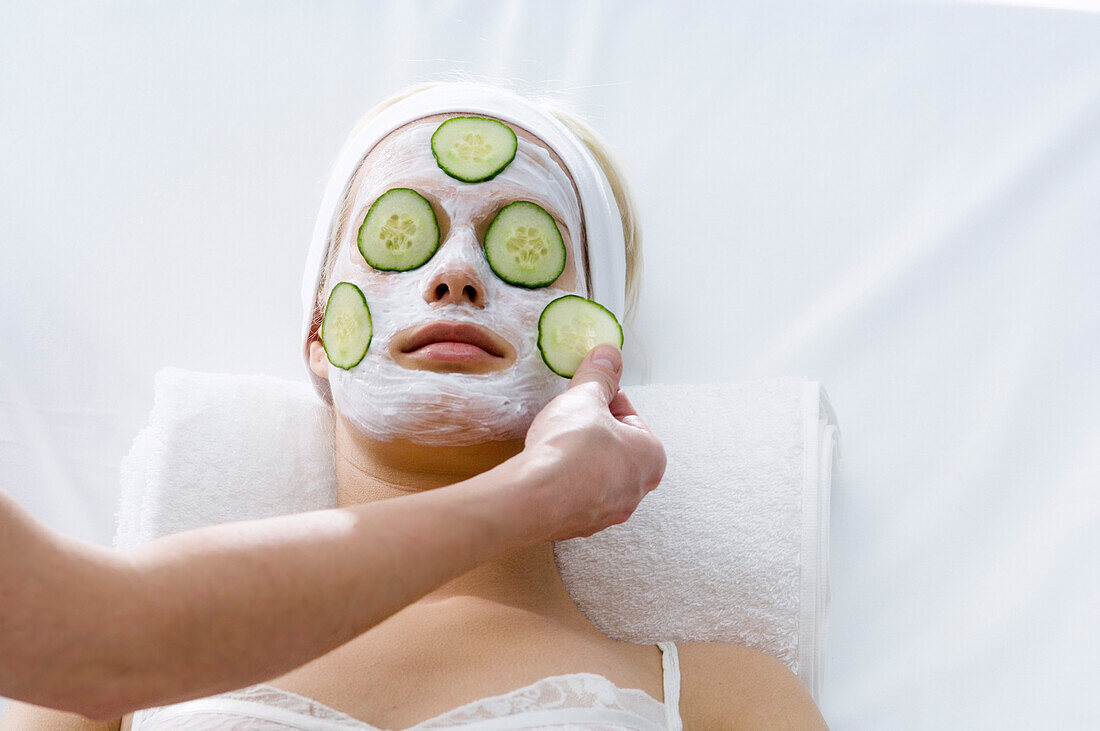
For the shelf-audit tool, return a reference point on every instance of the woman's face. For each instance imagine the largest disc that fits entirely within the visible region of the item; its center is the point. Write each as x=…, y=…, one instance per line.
x=422, y=395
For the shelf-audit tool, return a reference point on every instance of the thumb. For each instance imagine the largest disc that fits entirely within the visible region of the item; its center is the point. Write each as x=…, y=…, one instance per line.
x=604, y=365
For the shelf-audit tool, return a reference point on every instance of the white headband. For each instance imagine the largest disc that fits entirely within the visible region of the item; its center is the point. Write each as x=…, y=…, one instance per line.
x=602, y=223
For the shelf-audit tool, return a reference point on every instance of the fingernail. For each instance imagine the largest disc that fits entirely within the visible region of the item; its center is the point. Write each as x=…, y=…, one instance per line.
x=604, y=359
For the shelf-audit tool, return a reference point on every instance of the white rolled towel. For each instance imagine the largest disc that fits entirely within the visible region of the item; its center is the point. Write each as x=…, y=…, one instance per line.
x=731, y=547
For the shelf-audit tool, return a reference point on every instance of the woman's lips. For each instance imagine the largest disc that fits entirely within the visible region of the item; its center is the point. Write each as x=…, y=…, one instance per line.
x=444, y=331
x=453, y=351
x=447, y=352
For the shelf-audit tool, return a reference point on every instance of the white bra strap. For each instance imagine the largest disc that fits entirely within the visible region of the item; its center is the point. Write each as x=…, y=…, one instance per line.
x=670, y=665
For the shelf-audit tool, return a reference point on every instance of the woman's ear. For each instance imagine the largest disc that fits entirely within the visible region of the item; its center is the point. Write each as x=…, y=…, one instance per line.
x=318, y=359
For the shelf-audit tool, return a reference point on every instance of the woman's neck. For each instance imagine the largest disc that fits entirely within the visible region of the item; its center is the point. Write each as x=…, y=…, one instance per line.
x=369, y=470
x=374, y=470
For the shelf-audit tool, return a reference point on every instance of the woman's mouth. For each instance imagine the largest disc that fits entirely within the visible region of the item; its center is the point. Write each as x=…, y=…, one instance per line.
x=452, y=346
x=453, y=351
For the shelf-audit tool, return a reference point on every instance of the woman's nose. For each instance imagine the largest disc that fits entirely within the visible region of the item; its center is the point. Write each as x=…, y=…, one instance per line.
x=455, y=279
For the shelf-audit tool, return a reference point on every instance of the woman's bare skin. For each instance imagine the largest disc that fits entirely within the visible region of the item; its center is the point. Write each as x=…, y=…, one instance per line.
x=508, y=623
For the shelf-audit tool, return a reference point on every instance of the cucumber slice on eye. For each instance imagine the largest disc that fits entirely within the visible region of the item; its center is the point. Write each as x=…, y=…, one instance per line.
x=399, y=232
x=346, y=329
x=524, y=246
x=569, y=327
x=473, y=149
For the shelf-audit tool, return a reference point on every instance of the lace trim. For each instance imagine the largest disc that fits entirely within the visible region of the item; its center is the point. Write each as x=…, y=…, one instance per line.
x=572, y=691
x=576, y=690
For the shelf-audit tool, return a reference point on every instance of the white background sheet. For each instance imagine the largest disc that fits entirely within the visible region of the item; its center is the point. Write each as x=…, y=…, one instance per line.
x=899, y=200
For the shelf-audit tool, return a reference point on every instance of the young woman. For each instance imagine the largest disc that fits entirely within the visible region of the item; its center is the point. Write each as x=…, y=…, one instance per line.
x=447, y=388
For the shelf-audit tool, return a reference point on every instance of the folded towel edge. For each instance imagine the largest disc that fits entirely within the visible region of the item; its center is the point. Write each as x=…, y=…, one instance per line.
x=820, y=439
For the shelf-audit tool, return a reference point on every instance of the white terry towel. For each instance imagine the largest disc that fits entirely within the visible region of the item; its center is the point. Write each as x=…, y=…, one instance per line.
x=731, y=547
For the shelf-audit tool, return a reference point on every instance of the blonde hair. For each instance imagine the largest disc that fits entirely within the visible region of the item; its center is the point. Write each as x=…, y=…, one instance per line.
x=600, y=150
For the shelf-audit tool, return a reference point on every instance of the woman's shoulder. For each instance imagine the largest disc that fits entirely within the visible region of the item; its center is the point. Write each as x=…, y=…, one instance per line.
x=725, y=686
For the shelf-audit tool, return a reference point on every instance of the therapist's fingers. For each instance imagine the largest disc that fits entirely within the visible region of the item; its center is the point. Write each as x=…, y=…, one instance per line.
x=602, y=365
x=624, y=411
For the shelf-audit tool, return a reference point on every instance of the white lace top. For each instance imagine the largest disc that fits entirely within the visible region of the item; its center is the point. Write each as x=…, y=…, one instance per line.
x=573, y=702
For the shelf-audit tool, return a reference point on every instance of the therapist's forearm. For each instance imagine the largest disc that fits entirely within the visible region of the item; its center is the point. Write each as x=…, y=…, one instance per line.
x=231, y=605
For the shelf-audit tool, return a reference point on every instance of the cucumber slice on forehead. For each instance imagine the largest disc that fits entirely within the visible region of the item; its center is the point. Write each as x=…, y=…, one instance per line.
x=473, y=149
x=570, y=327
x=399, y=232
x=524, y=246
x=346, y=329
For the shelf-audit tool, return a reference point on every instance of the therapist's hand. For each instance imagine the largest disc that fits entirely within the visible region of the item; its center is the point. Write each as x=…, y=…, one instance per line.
x=603, y=456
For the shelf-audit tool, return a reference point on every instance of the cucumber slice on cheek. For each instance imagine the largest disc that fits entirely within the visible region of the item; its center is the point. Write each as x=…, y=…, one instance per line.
x=346, y=329
x=570, y=327
x=473, y=149
x=399, y=232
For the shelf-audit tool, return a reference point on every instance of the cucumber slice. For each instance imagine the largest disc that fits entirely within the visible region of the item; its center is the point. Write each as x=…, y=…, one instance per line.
x=473, y=149
x=524, y=246
x=346, y=329
x=569, y=327
x=399, y=232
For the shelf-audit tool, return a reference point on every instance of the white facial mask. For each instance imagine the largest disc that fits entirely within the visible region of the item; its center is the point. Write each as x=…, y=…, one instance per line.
x=387, y=401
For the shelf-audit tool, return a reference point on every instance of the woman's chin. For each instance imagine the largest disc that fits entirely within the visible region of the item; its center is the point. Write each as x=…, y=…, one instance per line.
x=441, y=429
x=445, y=409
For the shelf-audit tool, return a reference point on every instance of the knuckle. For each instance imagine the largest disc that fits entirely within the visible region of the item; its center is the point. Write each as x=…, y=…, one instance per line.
x=622, y=516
